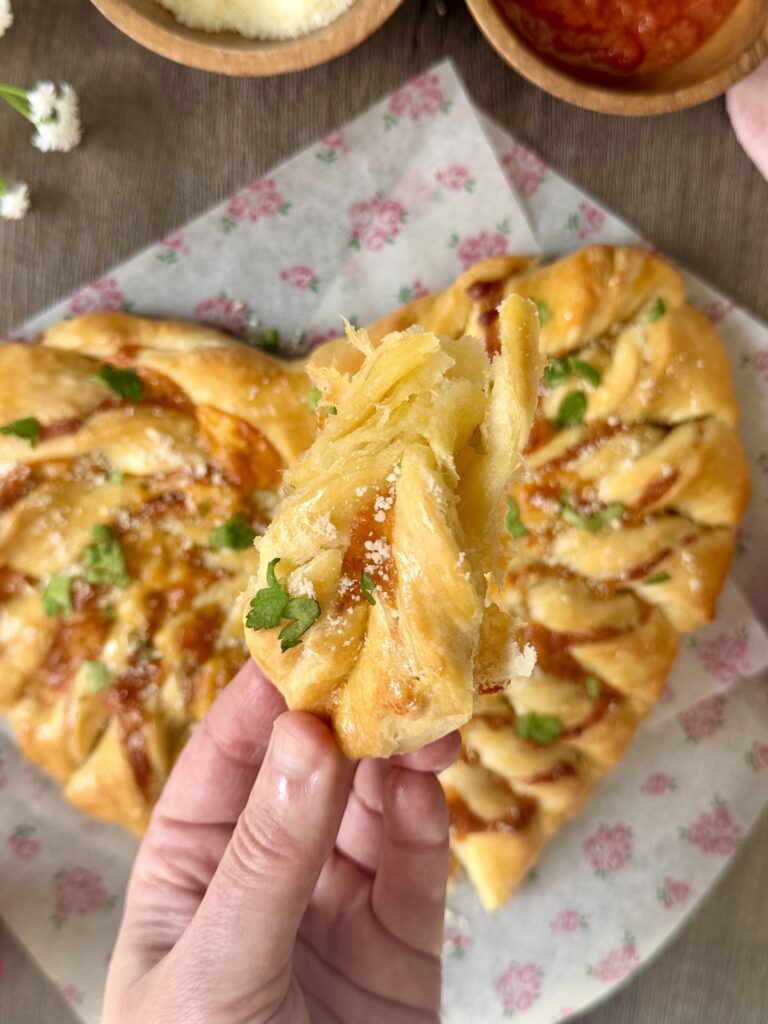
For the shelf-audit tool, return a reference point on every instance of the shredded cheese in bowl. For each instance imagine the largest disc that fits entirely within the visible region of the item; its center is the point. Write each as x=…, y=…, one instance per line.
x=258, y=19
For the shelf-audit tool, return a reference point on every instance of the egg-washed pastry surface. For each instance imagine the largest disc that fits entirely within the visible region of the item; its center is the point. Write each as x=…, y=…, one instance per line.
x=617, y=539
x=137, y=461
x=369, y=607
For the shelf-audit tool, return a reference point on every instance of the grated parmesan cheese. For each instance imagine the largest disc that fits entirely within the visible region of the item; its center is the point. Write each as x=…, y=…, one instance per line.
x=258, y=19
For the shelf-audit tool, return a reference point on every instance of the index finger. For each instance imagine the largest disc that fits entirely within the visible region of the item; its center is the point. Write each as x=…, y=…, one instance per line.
x=218, y=767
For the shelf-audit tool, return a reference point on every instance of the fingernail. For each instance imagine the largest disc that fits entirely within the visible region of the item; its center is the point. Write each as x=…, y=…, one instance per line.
x=295, y=750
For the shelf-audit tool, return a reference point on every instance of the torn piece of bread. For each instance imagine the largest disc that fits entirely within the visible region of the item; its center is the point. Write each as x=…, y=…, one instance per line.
x=370, y=598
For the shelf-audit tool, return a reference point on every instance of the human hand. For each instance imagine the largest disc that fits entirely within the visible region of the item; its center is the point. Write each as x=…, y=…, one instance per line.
x=279, y=882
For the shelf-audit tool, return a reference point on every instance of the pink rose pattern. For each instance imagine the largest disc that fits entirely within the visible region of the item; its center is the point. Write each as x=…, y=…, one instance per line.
x=301, y=277
x=609, y=849
x=331, y=146
x=455, y=942
x=714, y=832
x=259, y=199
x=78, y=892
x=568, y=921
x=172, y=248
x=757, y=756
x=422, y=97
x=23, y=843
x=230, y=315
x=726, y=656
x=588, y=221
x=314, y=336
x=673, y=893
x=409, y=292
x=71, y=994
x=481, y=246
x=525, y=170
x=375, y=223
x=519, y=987
x=704, y=720
x=102, y=296
x=658, y=784
x=455, y=178
x=717, y=310
x=618, y=964
x=760, y=363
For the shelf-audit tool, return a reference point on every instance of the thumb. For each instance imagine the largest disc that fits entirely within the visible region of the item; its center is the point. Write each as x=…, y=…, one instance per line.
x=246, y=925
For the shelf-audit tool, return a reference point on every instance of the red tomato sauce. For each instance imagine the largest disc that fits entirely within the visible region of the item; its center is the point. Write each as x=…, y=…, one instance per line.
x=617, y=36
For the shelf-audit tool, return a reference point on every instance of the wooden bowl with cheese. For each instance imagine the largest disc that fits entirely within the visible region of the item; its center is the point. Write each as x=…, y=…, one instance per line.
x=230, y=52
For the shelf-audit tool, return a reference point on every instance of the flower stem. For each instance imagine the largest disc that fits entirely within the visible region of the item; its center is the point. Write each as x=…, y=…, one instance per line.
x=16, y=98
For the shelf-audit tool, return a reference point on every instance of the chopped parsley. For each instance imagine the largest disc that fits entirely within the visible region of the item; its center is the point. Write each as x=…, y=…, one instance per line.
x=658, y=577
x=57, y=596
x=558, y=370
x=593, y=687
x=103, y=559
x=116, y=476
x=125, y=383
x=572, y=410
x=145, y=649
x=331, y=410
x=204, y=508
x=28, y=429
x=315, y=397
x=236, y=534
x=270, y=339
x=545, y=313
x=366, y=585
x=514, y=522
x=97, y=676
x=542, y=729
x=657, y=310
x=109, y=613
x=272, y=604
x=594, y=522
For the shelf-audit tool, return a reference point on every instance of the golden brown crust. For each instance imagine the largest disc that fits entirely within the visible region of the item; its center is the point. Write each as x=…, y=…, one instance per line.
x=215, y=427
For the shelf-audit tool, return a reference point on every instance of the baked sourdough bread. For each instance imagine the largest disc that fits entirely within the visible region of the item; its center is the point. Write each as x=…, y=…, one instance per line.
x=617, y=538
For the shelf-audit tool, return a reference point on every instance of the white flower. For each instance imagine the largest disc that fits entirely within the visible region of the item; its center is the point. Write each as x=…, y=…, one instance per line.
x=56, y=116
x=6, y=16
x=14, y=199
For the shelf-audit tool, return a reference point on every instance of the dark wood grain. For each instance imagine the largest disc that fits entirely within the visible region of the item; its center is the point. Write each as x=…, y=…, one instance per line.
x=163, y=143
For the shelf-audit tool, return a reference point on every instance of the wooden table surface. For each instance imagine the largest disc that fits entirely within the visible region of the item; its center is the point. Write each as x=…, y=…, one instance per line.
x=163, y=143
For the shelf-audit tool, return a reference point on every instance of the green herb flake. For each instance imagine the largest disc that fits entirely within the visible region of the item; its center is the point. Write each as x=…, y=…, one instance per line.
x=331, y=410
x=97, y=677
x=304, y=611
x=366, y=585
x=541, y=729
x=204, y=508
x=572, y=410
x=315, y=397
x=594, y=522
x=109, y=613
x=27, y=429
x=103, y=559
x=658, y=577
x=657, y=310
x=514, y=522
x=236, y=534
x=585, y=371
x=270, y=339
x=57, y=596
x=125, y=383
x=116, y=477
x=145, y=649
x=593, y=687
x=545, y=313
x=266, y=608
x=555, y=372
x=272, y=604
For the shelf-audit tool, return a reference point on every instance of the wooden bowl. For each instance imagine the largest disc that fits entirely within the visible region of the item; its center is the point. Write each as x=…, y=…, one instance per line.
x=738, y=46
x=229, y=53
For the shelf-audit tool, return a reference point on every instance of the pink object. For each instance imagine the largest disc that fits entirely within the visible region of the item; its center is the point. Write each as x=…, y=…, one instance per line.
x=747, y=104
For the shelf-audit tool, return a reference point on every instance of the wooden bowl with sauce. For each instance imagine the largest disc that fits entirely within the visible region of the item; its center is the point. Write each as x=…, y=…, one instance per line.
x=733, y=49
x=229, y=53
